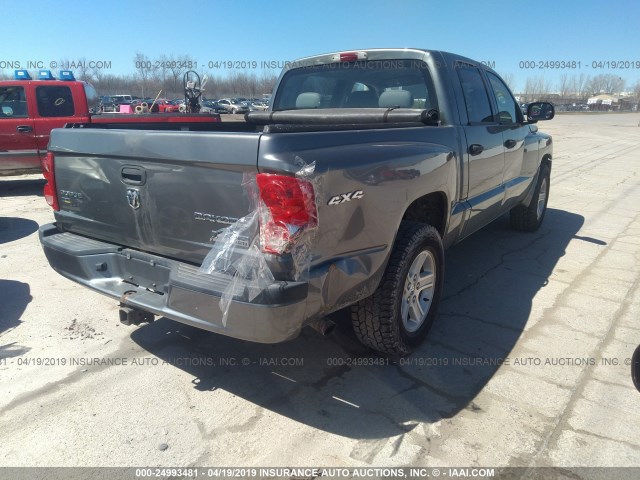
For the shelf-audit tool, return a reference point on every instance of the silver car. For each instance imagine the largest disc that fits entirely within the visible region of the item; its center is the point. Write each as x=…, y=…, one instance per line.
x=233, y=106
x=260, y=105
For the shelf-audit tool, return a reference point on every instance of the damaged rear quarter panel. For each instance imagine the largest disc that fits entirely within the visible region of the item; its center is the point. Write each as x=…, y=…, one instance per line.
x=392, y=168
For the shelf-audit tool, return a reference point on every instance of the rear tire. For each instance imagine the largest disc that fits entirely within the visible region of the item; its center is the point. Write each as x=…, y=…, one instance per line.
x=635, y=368
x=528, y=218
x=398, y=316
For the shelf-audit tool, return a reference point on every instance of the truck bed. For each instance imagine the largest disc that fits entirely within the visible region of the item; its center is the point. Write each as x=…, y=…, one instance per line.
x=173, y=179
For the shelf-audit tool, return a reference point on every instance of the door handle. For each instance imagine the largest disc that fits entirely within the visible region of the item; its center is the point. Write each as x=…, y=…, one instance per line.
x=24, y=129
x=475, y=149
x=133, y=175
x=510, y=143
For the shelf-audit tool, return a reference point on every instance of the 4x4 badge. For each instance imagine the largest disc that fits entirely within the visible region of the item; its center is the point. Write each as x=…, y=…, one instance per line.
x=346, y=197
x=133, y=197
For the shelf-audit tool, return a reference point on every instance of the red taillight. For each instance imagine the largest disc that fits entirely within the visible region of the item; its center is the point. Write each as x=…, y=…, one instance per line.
x=50, y=192
x=287, y=207
x=349, y=57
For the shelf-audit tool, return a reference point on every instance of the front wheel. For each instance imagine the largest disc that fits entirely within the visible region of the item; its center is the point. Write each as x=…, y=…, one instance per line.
x=398, y=316
x=528, y=218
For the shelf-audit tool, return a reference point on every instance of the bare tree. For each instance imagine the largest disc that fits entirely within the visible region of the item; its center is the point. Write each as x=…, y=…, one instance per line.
x=240, y=84
x=112, y=84
x=144, y=70
x=97, y=75
x=509, y=79
x=178, y=65
x=83, y=69
x=618, y=84
x=596, y=85
x=163, y=72
x=176, y=72
x=564, y=85
x=531, y=86
x=212, y=88
x=537, y=86
x=583, y=81
x=606, y=83
x=577, y=85
x=267, y=82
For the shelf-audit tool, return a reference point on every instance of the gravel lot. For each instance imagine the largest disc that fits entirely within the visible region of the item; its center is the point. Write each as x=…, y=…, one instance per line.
x=561, y=306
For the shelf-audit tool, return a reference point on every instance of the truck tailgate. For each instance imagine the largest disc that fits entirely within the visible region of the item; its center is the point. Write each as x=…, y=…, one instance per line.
x=168, y=193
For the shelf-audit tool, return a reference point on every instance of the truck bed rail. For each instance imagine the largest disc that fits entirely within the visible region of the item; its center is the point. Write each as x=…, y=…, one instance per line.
x=345, y=116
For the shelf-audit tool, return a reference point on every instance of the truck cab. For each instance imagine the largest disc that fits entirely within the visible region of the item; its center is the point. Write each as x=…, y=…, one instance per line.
x=30, y=109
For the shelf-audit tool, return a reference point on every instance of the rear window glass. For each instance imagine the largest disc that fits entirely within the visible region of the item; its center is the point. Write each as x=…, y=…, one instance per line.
x=362, y=84
x=92, y=96
x=54, y=101
x=13, y=103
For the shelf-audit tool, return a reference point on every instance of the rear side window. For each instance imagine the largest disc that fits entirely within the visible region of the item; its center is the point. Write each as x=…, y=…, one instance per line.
x=13, y=103
x=54, y=101
x=475, y=94
x=362, y=84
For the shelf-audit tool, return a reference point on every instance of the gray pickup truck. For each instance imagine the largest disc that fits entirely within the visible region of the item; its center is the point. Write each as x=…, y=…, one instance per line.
x=345, y=193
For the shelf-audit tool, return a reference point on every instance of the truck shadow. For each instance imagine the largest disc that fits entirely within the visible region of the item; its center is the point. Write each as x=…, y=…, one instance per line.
x=22, y=187
x=14, y=228
x=14, y=298
x=334, y=384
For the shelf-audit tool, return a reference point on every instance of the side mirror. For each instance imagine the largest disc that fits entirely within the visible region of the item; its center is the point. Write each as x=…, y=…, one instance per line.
x=540, y=111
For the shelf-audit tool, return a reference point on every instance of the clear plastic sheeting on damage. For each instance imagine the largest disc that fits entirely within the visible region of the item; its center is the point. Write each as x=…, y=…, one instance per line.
x=283, y=222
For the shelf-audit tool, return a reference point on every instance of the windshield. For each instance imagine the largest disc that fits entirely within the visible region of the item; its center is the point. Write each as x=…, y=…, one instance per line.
x=363, y=84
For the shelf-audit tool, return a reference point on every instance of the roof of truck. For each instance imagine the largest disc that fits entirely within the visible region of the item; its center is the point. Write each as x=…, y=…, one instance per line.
x=378, y=54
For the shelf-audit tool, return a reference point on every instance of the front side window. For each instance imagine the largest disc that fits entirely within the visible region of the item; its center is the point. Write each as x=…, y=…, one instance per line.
x=54, y=101
x=13, y=103
x=507, y=107
x=361, y=84
x=475, y=94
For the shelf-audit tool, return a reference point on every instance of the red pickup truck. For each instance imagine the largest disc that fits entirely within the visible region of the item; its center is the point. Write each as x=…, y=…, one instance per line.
x=30, y=109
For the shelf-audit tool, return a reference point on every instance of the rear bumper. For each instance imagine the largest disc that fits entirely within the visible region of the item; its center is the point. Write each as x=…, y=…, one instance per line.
x=175, y=289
